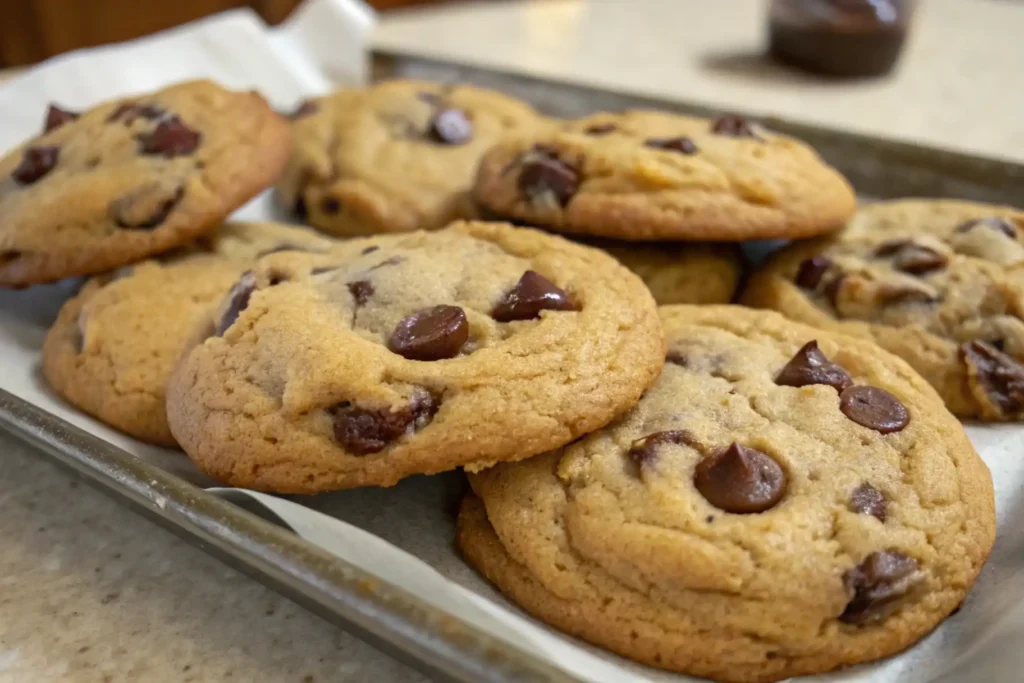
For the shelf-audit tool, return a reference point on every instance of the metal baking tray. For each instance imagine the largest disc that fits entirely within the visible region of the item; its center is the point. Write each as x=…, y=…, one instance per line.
x=386, y=615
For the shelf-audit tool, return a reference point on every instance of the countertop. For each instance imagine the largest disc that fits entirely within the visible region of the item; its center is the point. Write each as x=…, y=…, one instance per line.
x=91, y=592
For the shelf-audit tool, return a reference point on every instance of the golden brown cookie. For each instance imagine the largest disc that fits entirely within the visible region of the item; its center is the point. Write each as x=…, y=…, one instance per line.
x=647, y=175
x=939, y=283
x=112, y=347
x=394, y=157
x=783, y=501
x=131, y=178
x=414, y=353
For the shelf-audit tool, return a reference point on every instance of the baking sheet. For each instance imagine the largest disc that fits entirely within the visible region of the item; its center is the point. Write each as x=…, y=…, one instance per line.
x=403, y=536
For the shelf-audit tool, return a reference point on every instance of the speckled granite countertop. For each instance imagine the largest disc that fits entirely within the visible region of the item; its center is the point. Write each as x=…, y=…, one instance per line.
x=91, y=592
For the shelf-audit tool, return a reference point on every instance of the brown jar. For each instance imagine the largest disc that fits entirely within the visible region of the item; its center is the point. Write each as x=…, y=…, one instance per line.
x=848, y=38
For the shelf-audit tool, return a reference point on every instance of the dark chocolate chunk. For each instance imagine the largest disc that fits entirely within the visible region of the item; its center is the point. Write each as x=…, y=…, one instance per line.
x=57, y=117
x=734, y=126
x=682, y=145
x=304, y=109
x=645, y=450
x=740, y=480
x=600, y=129
x=129, y=111
x=362, y=431
x=450, y=127
x=809, y=274
x=361, y=291
x=146, y=207
x=874, y=408
x=542, y=174
x=877, y=584
x=171, y=138
x=531, y=295
x=431, y=334
x=810, y=366
x=238, y=301
x=1000, y=375
x=36, y=162
x=911, y=257
x=993, y=223
x=867, y=500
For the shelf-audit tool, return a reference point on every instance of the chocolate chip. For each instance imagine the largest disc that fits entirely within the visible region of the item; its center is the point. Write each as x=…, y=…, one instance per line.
x=683, y=145
x=361, y=291
x=8, y=256
x=992, y=223
x=129, y=111
x=362, y=431
x=431, y=334
x=910, y=257
x=323, y=269
x=299, y=208
x=531, y=295
x=543, y=175
x=810, y=366
x=740, y=480
x=874, y=408
x=171, y=138
x=645, y=450
x=304, y=109
x=57, y=117
x=450, y=127
x=809, y=274
x=877, y=583
x=35, y=163
x=867, y=500
x=330, y=205
x=370, y=249
x=276, y=277
x=734, y=126
x=238, y=301
x=677, y=358
x=1000, y=375
x=146, y=207
x=600, y=129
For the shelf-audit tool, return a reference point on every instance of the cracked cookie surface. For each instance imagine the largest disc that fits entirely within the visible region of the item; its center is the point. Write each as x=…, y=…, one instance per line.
x=414, y=353
x=771, y=507
x=394, y=157
x=112, y=348
x=131, y=178
x=646, y=175
x=939, y=283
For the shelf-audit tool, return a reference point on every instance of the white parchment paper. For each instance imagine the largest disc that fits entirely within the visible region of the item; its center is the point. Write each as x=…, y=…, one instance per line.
x=405, y=534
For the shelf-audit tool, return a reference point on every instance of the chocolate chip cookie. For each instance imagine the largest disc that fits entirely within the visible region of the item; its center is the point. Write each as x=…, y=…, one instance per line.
x=413, y=353
x=647, y=175
x=132, y=178
x=939, y=283
x=113, y=346
x=783, y=501
x=394, y=157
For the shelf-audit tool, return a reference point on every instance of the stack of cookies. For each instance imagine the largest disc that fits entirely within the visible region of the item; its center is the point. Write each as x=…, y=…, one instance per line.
x=702, y=487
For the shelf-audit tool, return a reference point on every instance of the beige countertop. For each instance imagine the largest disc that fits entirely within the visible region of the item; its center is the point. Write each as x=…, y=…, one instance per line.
x=91, y=592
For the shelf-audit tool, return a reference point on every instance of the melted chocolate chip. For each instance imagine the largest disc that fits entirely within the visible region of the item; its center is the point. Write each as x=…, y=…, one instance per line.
x=910, y=257
x=129, y=111
x=877, y=583
x=36, y=162
x=734, y=126
x=645, y=450
x=361, y=291
x=304, y=109
x=740, y=480
x=238, y=301
x=600, y=129
x=810, y=366
x=992, y=223
x=147, y=207
x=874, y=408
x=1000, y=375
x=531, y=295
x=362, y=431
x=171, y=138
x=811, y=270
x=682, y=145
x=330, y=205
x=543, y=174
x=450, y=127
x=57, y=117
x=431, y=334
x=867, y=500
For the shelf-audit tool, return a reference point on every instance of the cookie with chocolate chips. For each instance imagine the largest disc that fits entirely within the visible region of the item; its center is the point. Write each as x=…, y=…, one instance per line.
x=394, y=157
x=413, y=353
x=783, y=501
x=132, y=178
x=646, y=175
x=936, y=282
x=114, y=344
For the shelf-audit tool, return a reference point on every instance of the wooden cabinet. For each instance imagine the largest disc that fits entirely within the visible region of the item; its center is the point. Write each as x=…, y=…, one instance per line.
x=32, y=30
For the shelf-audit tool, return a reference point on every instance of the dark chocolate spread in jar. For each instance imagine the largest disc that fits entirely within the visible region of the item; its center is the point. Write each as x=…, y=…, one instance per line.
x=848, y=38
